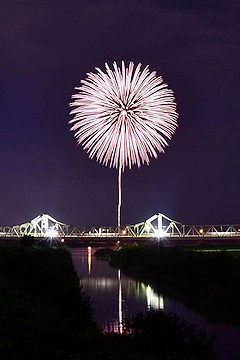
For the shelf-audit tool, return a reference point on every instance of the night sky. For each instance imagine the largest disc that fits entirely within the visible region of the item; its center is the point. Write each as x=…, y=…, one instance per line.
x=47, y=47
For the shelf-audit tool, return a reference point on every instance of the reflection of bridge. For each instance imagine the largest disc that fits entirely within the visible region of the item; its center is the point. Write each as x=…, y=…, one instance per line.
x=157, y=226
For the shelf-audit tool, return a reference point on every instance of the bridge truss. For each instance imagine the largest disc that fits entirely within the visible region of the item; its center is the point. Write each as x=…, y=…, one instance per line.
x=160, y=225
x=46, y=226
x=157, y=226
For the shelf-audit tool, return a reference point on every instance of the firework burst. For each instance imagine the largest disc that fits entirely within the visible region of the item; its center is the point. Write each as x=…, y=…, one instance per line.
x=123, y=116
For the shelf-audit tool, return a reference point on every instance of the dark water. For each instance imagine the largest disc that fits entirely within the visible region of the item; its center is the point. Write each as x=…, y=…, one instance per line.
x=114, y=296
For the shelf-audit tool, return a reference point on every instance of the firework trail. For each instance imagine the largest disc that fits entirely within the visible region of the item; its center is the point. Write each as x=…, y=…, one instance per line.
x=123, y=116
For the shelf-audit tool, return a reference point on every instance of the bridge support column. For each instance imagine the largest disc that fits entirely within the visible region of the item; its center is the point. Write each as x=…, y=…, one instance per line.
x=159, y=219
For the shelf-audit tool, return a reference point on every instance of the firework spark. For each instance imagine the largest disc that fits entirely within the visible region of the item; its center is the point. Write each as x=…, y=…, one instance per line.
x=123, y=117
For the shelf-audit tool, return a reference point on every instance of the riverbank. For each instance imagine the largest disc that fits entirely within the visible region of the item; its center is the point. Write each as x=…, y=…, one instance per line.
x=207, y=281
x=45, y=315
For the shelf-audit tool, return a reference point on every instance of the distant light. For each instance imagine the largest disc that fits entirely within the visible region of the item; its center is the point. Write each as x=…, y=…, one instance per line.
x=51, y=233
x=160, y=233
x=118, y=242
x=124, y=232
x=201, y=231
x=62, y=240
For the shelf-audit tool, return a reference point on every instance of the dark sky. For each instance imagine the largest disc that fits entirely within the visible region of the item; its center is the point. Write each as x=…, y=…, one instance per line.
x=48, y=46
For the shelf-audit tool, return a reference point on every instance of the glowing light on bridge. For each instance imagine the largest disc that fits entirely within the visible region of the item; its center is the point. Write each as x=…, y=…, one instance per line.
x=51, y=233
x=160, y=233
x=123, y=117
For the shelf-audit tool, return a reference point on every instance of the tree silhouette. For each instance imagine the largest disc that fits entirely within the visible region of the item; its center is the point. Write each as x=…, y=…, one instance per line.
x=27, y=241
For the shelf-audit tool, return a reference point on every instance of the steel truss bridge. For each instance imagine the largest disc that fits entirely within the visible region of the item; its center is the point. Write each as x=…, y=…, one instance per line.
x=157, y=226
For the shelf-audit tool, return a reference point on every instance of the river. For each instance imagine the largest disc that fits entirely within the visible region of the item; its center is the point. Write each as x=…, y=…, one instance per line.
x=114, y=296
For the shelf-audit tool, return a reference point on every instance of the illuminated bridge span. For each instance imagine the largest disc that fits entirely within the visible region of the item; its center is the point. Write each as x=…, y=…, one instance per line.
x=157, y=226
x=46, y=226
x=161, y=226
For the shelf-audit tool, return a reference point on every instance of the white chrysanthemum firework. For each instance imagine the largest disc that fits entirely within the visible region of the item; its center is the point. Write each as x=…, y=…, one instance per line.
x=124, y=116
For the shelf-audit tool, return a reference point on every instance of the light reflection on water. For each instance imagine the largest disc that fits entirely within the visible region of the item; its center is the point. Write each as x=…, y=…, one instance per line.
x=120, y=314
x=89, y=259
x=115, y=296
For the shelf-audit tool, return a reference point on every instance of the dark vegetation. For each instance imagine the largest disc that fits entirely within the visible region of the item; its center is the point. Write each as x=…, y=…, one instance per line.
x=27, y=241
x=169, y=336
x=104, y=253
x=43, y=312
x=45, y=315
x=206, y=281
